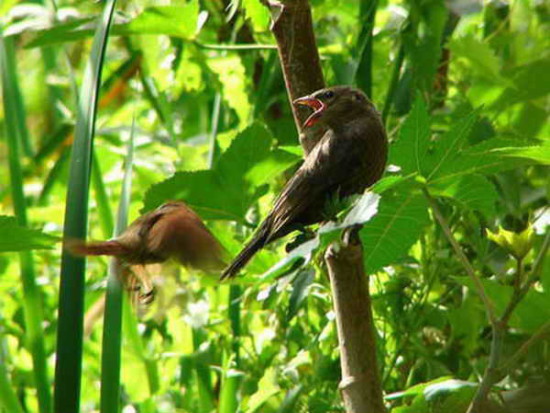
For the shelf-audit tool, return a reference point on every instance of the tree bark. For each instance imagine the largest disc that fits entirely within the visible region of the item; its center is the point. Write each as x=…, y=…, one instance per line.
x=360, y=385
x=293, y=29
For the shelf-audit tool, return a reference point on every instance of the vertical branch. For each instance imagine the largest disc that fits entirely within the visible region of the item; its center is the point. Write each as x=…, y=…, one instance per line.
x=361, y=389
x=293, y=29
x=360, y=385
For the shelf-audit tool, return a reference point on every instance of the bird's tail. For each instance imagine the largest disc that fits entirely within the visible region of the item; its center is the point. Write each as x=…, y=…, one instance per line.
x=255, y=244
x=82, y=248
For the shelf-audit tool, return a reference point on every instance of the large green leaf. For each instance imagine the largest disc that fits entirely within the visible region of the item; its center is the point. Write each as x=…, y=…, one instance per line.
x=448, y=146
x=531, y=81
x=540, y=154
x=474, y=192
x=479, y=54
x=176, y=21
x=414, y=139
x=482, y=158
x=402, y=214
x=17, y=238
x=235, y=182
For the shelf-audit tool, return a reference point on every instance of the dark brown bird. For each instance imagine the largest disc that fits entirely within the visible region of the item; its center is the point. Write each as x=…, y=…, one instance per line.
x=172, y=231
x=350, y=157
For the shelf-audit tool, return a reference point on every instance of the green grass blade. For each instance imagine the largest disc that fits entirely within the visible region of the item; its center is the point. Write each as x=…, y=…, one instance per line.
x=363, y=74
x=31, y=293
x=204, y=393
x=71, y=301
x=8, y=398
x=102, y=199
x=16, y=98
x=135, y=342
x=112, y=325
x=396, y=72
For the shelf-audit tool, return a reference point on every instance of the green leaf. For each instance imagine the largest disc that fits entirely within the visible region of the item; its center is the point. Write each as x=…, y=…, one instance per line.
x=402, y=214
x=177, y=21
x=364, y=208
x=414, y=137
x=473, y=192
x=532, y=312
x=235, y=182
x=531, y=81
x=482, y=158
x=480, y=56
x=267, y=388
x=448, y=146
x=300, y=285
x=451, y=396
x=17, y=238
x=540, y=154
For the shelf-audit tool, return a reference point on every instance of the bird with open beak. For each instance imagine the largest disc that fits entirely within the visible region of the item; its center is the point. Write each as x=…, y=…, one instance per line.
x=350, y=157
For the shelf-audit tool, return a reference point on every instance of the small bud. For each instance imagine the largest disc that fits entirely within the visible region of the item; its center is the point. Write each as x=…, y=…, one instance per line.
x=518, y=245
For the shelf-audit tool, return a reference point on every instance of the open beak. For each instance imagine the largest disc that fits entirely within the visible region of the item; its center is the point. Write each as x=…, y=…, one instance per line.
x=314, y=103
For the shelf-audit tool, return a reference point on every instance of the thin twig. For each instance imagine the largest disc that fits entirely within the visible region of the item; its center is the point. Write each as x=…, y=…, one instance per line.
x=540, y=333
x=489, y=308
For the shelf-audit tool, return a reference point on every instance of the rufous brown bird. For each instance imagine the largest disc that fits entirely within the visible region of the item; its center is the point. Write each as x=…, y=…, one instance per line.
x=172, y=231
x=350, y=157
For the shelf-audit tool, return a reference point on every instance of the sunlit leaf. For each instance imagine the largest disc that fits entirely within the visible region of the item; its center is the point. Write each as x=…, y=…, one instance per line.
x=449, y=145
x=402, y=214
x=235, y=182
x=16, y=238
x=474, y=192
x=479, y=54
x=414, y=138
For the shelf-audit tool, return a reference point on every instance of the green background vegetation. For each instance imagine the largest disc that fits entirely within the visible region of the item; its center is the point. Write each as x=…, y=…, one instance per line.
x=192, y=99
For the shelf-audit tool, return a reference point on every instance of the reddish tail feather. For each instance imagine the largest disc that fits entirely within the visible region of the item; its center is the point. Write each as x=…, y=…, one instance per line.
x=96, y=248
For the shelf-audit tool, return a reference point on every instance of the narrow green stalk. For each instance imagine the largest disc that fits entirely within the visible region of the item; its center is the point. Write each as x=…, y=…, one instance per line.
x=71, y=300
x=235, y=319
x=204, y=385
x=102, y=199
x=393, y=83
x=31, y=292
x=134, y=341
x=214, y=151
x=112, y=325
x=229, y=391
x=363, y=74
x=8, y=398
x=17, y=98
x=229, y=400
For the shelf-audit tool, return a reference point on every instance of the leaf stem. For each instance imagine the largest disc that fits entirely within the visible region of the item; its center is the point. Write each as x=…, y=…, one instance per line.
x=489, y=308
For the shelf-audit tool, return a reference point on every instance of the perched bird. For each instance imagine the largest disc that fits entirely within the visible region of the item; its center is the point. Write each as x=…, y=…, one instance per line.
x=350, y=157
x=172, y=231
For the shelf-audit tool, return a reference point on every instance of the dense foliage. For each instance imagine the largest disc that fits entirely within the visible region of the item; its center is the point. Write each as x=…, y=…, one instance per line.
x=196, y=87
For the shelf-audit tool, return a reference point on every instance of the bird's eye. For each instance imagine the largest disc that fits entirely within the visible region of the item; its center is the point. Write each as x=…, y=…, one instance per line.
x=328, y=94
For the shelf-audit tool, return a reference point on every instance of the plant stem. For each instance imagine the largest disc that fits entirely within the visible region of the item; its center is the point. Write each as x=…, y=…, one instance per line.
x=489, y=308
x=360, y=384
x=393, y=82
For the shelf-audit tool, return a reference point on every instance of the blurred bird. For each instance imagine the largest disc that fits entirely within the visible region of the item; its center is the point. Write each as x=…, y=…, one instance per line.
x=173, y=231
x=350, y=157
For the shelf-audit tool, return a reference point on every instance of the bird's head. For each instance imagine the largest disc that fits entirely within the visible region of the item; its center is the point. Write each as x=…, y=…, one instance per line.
x=335, y=104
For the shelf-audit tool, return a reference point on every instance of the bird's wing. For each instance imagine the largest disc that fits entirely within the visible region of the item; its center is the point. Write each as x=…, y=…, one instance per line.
x=318, y=178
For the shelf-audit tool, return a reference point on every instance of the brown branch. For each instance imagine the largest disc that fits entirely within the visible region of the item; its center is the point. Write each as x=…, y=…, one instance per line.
x=293, y=29
x=361, y=389
x=360, y=385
